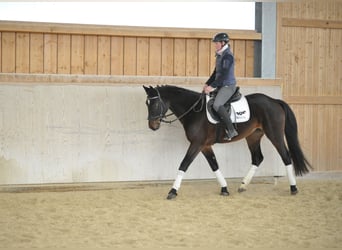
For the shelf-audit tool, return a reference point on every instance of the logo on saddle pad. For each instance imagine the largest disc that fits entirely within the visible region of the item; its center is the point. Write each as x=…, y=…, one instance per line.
x=239, y=111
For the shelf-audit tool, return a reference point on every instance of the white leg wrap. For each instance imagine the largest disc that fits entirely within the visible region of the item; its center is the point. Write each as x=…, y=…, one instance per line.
x=249, y=175
x=178, y=181
x=248, y=178
x=220, y=178
x=290, y=175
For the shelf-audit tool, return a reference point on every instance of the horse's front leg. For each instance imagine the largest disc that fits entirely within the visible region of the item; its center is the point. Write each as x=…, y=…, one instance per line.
x=191, y=154
x=211, y=158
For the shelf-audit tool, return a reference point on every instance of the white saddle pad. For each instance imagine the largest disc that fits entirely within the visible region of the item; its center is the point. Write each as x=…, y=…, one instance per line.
x=239, y=111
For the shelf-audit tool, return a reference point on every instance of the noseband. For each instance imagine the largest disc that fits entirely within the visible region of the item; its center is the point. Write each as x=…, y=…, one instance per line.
x=163, y=109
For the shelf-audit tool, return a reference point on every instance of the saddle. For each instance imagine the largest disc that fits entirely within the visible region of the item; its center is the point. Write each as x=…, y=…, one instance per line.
x=237, y=106
x=235, y=97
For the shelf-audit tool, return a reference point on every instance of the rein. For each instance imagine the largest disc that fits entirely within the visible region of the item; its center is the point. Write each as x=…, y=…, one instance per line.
x=186, y=112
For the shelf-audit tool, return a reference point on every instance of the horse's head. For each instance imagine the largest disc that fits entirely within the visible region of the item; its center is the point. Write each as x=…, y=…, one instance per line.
x=156, y=107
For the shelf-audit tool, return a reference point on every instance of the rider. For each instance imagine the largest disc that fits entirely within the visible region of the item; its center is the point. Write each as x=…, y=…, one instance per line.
x=223, y=78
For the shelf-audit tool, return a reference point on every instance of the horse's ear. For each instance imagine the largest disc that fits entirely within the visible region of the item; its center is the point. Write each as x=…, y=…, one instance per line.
x=146, y=89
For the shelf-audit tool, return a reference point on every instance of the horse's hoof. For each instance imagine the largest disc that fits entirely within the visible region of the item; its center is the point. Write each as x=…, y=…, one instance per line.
x=172, y=194
x=224, y=191
x=294, y=190
x=241, y=189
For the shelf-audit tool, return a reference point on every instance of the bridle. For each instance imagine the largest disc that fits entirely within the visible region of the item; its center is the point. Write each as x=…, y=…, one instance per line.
x=163, y=109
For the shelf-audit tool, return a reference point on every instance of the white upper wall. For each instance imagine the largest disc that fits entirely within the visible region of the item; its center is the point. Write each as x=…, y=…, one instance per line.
x=214, y=14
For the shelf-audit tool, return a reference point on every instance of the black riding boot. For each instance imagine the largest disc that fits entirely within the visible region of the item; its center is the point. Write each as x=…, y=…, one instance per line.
x=225, y=117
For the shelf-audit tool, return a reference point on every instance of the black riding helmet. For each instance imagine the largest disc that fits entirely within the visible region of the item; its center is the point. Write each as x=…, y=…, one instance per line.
x=221, y=37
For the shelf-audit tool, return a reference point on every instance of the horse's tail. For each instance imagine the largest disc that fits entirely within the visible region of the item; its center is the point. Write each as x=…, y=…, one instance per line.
x=300, y=163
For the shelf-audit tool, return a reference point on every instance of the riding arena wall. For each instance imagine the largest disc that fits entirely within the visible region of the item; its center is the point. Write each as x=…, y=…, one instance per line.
x=72, y=104
x=309, y=63
x=63, y=129
x=51, y=48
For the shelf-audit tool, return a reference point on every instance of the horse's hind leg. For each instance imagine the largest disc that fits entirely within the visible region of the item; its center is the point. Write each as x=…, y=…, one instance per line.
x=211, y=158
x=253, y=142
x=277, y=139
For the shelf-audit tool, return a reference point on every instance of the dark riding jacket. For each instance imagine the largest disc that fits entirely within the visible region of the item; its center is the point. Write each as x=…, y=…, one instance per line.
x=223, y=74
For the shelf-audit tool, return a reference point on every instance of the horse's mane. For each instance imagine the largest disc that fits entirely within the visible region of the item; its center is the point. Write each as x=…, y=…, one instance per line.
x=178, y=90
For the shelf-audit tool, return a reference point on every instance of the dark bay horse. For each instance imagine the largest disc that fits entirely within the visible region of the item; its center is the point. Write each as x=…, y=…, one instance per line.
x=268, y=116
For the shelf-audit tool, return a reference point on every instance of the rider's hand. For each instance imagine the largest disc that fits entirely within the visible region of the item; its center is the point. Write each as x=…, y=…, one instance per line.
x=207, y=89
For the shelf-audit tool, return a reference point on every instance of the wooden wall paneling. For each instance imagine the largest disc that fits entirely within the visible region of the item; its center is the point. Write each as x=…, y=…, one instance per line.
x=334, y=148
x=77, y=54
x=335, y=10
x=50, y=53
x=323, y=70
x=212, y=58
x=307, y=127
x=143, y=56
x=22, y=55
x=309, y=58
x=334, y=78
x=103, y=55
x=78, y=63
x=298, y=83
x=326, y=157
x=249, y=59
x=338, y=115
x=298, y=111
x=319, y=138
x=231, y=44
x=307, y=131
x=90, y=55
x=191, y=57
x=240, y=57
x=329, y=10
x=310, y=141
x=117, y=56
x=319, y=144
x=294, y=61
x=64, y=54
x=312, y=23
x=155, y=57
x=167, y=55
x=299, y=62
x=76, y=42
x=332, y=61
x=36, y=53
x=338, y=65
x=179, y=57
x=81, y=29
x=204, y=53
x=130, y=56
x=232, y=48
x=8, y=52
